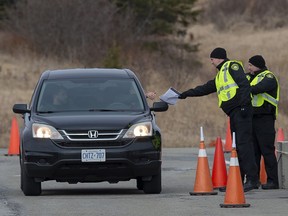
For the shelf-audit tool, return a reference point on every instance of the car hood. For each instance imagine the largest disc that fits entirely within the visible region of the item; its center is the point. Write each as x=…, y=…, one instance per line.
x=111, y=120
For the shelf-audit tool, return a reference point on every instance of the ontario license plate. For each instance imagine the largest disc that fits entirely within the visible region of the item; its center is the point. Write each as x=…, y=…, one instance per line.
x=93, y=155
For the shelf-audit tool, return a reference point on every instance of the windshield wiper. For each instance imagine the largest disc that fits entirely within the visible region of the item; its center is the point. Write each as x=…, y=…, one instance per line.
x=41, y=112
x=56, y=111
x=101, y=110
x=90, y=110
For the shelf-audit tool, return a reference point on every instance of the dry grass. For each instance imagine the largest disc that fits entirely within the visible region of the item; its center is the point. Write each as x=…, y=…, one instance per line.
x=260, y=14
x=19, y=72
x=241, y=44
x=181, y=123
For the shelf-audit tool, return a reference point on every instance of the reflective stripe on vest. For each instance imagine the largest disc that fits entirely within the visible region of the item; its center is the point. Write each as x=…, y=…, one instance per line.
x=259, y=99
x=225, y=84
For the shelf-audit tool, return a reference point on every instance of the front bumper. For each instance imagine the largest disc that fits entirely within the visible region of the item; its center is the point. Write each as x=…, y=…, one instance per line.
x=138, y=159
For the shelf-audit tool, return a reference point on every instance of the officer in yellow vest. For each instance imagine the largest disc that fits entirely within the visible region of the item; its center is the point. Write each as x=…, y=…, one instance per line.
x=233, y=90
x=265, y=91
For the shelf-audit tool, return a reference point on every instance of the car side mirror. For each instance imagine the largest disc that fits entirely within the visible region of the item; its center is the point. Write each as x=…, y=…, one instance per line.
x=159, y=106
x=20, y=109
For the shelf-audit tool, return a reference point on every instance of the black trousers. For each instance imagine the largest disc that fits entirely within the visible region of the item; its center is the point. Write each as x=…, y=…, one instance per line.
x=241, y=124
x=264, y=144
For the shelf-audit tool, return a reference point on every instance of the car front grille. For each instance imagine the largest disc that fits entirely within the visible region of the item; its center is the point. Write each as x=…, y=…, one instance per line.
x=80, y=138
x=82, y=135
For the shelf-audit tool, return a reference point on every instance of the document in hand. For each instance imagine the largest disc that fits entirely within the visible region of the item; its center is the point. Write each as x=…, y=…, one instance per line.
x=170, y=96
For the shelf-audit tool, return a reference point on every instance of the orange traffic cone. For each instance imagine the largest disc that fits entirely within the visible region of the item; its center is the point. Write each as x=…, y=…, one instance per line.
x=228, y=142
x=14, y=139
x=234, y=196
x=280, y=135
x=203, y=182
x=263, y=174
x=219, y=172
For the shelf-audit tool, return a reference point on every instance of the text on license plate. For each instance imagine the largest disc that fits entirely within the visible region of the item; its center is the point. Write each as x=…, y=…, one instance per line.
x=93, y=155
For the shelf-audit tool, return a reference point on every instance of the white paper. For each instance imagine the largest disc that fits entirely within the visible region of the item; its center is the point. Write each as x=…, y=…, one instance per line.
x=170, y=96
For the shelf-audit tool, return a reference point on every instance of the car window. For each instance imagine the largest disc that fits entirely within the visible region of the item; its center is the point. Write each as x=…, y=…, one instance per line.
x=89, y=95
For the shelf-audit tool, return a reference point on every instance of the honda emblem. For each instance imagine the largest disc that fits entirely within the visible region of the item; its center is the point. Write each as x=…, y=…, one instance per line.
x=92, y=134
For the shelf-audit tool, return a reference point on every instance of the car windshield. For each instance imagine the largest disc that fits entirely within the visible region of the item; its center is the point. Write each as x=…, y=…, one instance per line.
x=89, y=95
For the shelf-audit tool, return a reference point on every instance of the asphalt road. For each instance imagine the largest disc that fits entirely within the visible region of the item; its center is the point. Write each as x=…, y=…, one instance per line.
x=123, y=199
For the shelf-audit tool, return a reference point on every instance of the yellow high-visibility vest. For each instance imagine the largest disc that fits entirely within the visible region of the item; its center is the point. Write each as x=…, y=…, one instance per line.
x=258, y=100
x=225, y=84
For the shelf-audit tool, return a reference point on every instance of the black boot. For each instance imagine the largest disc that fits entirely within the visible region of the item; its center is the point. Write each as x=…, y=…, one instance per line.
x=250, y=185
x=270, y=185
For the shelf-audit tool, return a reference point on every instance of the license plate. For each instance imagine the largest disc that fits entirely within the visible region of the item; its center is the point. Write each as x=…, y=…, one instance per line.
x=93, y=155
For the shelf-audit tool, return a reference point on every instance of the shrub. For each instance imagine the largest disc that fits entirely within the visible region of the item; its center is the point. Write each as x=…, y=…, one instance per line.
x=261, y=14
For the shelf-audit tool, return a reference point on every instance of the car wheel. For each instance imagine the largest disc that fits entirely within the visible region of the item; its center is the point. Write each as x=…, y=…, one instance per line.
x=154, y=186
x=21, y=182
x=28, y=184
x=139, y=183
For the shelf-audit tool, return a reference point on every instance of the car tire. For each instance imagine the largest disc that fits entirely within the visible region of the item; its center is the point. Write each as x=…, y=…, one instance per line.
x=28, y=184
x=154, y=186
x=139, y=183
x=21, y=182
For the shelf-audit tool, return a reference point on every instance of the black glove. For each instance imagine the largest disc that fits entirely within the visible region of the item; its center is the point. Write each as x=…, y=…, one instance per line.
x=182, y=96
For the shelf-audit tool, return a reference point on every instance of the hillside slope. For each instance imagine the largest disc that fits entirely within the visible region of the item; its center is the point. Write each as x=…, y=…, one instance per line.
x=241, y=43
x=181, y=123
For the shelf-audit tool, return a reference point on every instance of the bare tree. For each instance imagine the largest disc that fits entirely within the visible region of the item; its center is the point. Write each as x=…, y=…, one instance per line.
x=75, y=29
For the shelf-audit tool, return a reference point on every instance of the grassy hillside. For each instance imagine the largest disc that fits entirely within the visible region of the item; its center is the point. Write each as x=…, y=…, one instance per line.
x=181, y=123
x=20, y=70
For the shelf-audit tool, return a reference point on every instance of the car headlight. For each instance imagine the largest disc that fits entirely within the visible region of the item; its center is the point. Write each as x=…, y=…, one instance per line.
x=45, y=132
x=138, y=130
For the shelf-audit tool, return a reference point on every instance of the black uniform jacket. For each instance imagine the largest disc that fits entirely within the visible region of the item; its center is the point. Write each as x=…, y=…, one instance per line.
x=242, y=97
